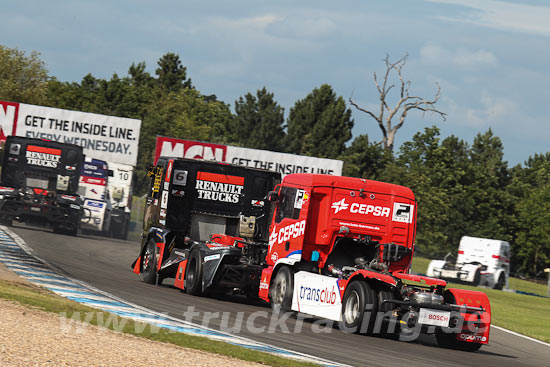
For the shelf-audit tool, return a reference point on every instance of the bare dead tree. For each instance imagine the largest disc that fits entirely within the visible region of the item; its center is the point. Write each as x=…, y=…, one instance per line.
x=405, y=103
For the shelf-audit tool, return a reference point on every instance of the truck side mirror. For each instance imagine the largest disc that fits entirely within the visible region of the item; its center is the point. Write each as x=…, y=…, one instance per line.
x=110, y=173
x=151, y=171
x=273, y=196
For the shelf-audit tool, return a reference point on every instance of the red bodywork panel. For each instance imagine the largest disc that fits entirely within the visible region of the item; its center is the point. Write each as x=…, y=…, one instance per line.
x=421, y=279
x=180, y=275
x=224, y=239
x=160, y=245
x=471, y=333
x=137, y=266
x=264, y=283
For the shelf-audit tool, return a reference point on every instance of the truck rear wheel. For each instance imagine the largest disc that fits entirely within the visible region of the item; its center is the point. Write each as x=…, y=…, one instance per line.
x=501, y=282
x=149, y=263
x=359, y=307
x=448, y=340
x=389, y=324
x=281, y=290
x=193, y=273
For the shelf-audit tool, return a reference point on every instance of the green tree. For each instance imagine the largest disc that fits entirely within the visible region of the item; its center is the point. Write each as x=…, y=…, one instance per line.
x=183, y=114
x=364, y=159
x=532, y=254
x=492, y=215
x=258, y=122
x=172, y=74
x=437, y=172
x=22, y=78
x=319, y=125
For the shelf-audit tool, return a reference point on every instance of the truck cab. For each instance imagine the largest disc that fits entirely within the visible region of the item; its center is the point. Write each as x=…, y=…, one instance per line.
x=480, y=261
x=198, y=210
x=40, y=183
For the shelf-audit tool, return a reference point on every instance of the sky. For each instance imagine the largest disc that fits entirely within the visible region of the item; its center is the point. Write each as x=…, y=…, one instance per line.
x=491, y=57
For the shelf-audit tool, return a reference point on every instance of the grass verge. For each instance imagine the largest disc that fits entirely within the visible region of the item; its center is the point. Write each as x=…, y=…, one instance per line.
x=47, y=301
x=521, y=313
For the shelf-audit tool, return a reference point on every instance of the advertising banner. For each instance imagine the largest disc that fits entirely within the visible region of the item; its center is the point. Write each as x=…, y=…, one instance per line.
x=109, y=138
x=283, y=163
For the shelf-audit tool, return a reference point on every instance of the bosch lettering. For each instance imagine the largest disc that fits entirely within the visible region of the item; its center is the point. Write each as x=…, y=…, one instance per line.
x=438, y=317
x=318, y=295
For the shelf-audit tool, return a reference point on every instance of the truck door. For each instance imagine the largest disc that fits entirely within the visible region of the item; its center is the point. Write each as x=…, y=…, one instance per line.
x=286, y=237
x=151, y=216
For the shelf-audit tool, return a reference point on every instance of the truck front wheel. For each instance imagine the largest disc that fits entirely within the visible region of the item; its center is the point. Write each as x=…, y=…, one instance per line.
x=359, y=307
x=193, y=273
x=281, y=290
x=149, y=263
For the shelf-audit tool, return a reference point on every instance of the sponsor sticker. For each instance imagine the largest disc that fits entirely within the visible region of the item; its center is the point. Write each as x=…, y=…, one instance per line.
x=360, y=208
x=218, y=187
x=317, y=295
x=180, y=177
x=288, y=232
x=42, y=156
x=472, y=337
x=428, y=316
x=403, y=212
x=212, y=257
x=164, y=199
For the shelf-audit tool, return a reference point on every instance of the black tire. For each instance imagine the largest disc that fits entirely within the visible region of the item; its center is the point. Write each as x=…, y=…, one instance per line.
x=477, y=277
x=358, y=298
x=501, y=282
x=6, y=221
x=389, y=328
x=149, y=263
x=448, y=340
x=193, y=273
x=73, y=231
x=281, y=290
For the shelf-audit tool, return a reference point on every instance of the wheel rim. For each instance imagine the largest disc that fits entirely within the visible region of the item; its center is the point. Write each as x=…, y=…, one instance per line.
x=146, y=259
x=351, y=310
x=280, y=290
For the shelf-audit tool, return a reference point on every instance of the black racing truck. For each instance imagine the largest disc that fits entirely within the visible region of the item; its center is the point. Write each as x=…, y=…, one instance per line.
x=212, y=214
x=40, y=182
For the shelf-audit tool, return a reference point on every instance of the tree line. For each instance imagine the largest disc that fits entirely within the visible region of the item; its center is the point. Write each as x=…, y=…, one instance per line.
x=461, y=188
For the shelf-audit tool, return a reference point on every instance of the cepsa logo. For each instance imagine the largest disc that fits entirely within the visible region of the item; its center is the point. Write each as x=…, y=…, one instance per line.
x=218, y=187
x=286, y=233
x=318, y=295
x=42, y=156
x=357, y=208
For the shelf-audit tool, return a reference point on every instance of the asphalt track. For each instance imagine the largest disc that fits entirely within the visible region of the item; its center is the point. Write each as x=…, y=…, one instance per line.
x=105, y=264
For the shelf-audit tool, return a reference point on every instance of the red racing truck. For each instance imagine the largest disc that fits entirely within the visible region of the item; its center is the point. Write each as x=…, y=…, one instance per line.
x=339, y=248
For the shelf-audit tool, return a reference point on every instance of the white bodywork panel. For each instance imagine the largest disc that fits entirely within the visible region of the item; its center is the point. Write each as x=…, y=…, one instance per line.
x=317, y=295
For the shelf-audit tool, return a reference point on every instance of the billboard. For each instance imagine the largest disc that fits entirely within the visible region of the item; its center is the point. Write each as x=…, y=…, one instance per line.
x=109, y=138
x=283, y=163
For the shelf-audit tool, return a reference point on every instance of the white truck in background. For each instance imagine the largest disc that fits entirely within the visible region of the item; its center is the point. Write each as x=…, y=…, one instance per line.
x=480, y=261
x=93, y=187
x=120, y=193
